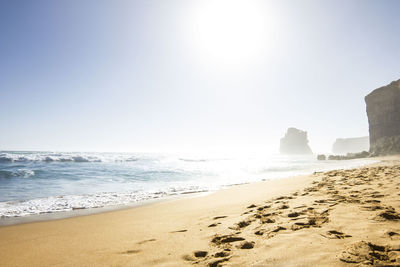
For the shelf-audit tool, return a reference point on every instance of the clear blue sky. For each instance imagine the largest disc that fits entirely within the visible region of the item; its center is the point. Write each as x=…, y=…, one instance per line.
x=177, y=75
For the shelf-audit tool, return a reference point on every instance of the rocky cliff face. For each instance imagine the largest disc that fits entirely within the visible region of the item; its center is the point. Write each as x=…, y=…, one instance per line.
x=350, y=145
x=295, y=142
x=383, y=109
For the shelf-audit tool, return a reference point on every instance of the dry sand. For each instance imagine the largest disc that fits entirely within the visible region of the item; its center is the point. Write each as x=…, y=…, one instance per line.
x=338, y=218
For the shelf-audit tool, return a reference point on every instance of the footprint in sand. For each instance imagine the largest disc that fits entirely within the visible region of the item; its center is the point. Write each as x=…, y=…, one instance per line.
x=213, y=261
x=371, y=207
x=145, y=241
x=218, y=240
x=368, y=253
x=259, y=232
x=179, y=231
x=132, y=251
x=217, y=263
x=242, y=224
x=333, y=234
x=389, y=214
x=219, y=217
x=267, y=220
x=246, y=245
x=393, y=235
x=200, y=254
x=293, y=214
x=221, y=254
x=277, y=229
x=300, y=225
x=271, y=233
x=264, y=207
x=189, y=258
x=372, y=201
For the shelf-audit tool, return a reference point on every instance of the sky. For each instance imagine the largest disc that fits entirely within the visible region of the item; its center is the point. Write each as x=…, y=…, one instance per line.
x=183, y=76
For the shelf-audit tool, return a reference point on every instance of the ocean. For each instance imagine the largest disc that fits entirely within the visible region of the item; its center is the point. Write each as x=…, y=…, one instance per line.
x=33, y=183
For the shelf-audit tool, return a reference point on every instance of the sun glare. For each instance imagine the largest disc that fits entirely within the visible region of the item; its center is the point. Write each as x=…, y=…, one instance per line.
x=229, y=31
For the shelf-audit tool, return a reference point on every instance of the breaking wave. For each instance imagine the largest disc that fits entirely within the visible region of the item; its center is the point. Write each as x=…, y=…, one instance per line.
x=64, y=157
x=75, y=202
x=23, y=173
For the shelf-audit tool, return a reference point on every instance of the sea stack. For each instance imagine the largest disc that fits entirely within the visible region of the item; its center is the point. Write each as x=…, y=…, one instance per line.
x=383, y=110
x=295, y=142
x=350, y=145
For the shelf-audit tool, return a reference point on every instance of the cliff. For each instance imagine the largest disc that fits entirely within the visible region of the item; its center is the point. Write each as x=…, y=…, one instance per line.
x=383, y=110
x=350, y=145
x=295, y=142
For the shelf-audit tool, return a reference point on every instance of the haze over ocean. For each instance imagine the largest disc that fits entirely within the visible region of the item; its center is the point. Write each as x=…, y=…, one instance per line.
x=159, y=76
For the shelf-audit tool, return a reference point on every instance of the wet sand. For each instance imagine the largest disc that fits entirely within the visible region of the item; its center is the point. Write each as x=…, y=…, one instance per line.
x=337, y=218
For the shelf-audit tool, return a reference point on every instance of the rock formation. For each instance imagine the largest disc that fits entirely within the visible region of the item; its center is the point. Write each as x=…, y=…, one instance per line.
x=350, y=145
x=359, y=155
x=383, y=110
x=295, y=142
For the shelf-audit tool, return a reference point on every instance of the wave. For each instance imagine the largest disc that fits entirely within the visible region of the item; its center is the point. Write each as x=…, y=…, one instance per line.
x=77, y=202
x=203, y=160
x=126, y=178
x=62, y=157
x=194, y=160
x=6, y=159
x=24, y=173
x=130, y=159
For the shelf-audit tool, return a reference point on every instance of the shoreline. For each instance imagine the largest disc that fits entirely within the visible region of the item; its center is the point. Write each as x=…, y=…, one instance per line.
x=51, y=216
x=59, y=215
x=170, y=233
x=55, y=216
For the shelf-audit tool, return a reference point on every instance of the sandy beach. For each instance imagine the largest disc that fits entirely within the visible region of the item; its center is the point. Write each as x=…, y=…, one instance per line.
x=337, y=218
x=199, y=133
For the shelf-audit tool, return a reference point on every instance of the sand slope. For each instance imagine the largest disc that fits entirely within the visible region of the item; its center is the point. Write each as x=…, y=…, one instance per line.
x=338, y=218
x=344, y=217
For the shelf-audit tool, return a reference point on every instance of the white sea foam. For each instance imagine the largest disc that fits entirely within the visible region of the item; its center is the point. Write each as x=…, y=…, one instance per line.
x=73, y=202
x=60, y=157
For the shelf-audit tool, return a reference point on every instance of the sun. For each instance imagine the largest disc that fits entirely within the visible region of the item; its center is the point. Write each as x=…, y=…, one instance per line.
x=229, y=32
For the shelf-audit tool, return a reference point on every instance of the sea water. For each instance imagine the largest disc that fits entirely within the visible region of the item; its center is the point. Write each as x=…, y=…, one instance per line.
x=33, y=183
